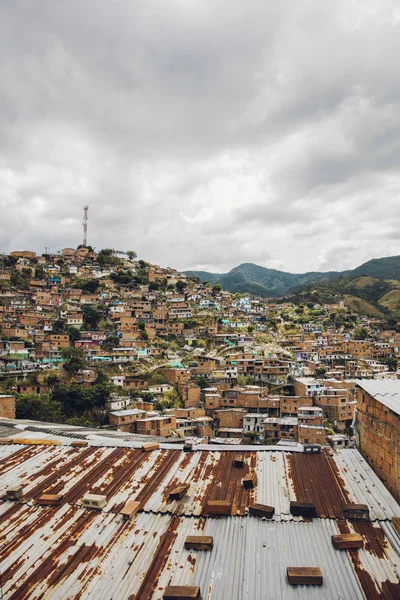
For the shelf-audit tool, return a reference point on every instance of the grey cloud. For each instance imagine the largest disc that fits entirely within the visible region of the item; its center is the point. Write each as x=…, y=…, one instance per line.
x=202, y=133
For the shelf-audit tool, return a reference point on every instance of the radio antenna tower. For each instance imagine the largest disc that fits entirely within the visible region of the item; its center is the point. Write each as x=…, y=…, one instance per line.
x=85, y=222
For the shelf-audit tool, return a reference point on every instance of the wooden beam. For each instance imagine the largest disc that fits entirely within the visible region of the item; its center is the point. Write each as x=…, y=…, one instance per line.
x=304, y=575
x=50, y=499
x=303, y=509
x=130, y=509
x=262, y=510
x=239, y=461
x=179, y=491
x=199, y=542
x=182, y=592
x=357, y=512
x=347, y=541
x=219, y=507
x=249, y=481
x=150, y=446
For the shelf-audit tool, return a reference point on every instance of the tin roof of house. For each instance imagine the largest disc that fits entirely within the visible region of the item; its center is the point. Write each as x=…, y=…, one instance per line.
x=66, y=551
x=385, y=391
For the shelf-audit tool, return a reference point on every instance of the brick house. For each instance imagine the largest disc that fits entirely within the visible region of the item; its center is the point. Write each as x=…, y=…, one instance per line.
x=281, y=428
x=7, y=406
x=230, y=418
x=378, y=429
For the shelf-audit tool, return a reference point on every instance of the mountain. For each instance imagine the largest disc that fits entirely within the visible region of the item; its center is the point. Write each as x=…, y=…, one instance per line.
x=249, y=278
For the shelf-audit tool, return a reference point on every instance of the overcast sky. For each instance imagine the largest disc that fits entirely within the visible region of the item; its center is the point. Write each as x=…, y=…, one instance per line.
x=203, y=133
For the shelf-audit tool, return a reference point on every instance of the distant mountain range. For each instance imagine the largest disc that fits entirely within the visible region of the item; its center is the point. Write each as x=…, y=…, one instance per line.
x=249, y=278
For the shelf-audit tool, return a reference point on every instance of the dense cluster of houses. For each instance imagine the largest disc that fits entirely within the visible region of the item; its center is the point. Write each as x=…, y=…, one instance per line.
x=239, y=368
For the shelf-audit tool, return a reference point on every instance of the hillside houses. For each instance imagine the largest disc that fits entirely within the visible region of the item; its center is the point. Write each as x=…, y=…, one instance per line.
x=256, y=369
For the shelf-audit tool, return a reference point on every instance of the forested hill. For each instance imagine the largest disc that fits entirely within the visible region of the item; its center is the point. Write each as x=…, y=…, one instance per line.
x=254, y=279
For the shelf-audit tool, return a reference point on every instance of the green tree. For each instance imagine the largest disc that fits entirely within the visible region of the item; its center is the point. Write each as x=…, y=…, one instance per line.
x=170, y=399
x=122, y=277
x=131, y=254
x=181, y=286
x=360, y=333
x=58, y=326
x=38, y=408
x=73, y=332
x=216, y=289
x=74, y=359
x=244, y=380
x=202, y=381
x=90, y=285
x=112, y=341
x=91, y=316
x=39, y=272
x=52, y=378
x=156, y=378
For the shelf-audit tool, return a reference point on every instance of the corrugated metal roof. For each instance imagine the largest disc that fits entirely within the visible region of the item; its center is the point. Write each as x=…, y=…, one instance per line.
x=65, y=553
x=149, y=477
x=387, y=392
x=364, y=486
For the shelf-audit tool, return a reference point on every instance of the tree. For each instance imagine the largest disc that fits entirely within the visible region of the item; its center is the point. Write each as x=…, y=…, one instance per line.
x=112, y=341
x=156, y=378
x=38, y=408
x=181, y=286
x=131, y=254
x=244, y=380
x=89, y=285
x=216, y=289
x=122, y=277
x=390, y=361
x=39, y=272
x=91, y=316
x=58, y=326
x=170, y=399
x=202, y=381
x=73, y=332
x=106, y=258
x=75, y=359
x=360, y=333
x=52, y=378
x=76, y=400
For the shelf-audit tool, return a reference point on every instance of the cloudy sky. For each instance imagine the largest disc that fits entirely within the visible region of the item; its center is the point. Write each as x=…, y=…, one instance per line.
x=203, y=133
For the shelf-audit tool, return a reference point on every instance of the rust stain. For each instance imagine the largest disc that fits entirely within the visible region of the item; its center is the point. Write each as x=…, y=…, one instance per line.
x=23, y=533
x=226, y=483
x=375, y=543
x=166, y=461
x=192, y=561
x=20, y=456
x=53, y=473
x=390, y=590
x=201, y=524
x=160, y=557
x=47, y=567
x=83, y=554
x=316, y=479
x=374, y=538
x=89, y=479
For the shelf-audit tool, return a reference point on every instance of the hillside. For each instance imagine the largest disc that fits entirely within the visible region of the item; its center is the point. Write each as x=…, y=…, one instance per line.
x=391, y=300
x=362, y=307
x=254, y=279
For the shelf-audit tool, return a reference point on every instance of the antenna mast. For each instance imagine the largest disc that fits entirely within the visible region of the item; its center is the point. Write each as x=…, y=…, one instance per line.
x=85, y=222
